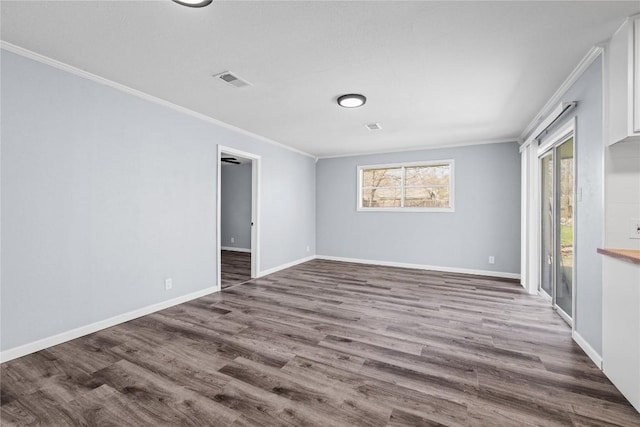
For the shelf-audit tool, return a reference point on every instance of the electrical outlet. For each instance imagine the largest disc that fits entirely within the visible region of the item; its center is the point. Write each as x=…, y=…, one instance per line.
x=634, y=229
x=168, y=284
x=492, y=259
x=308, y=248
x=233, y=240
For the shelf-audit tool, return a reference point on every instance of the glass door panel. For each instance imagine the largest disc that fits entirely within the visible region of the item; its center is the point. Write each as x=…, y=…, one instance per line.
x=564, y=223
x=557, y=176
x=546, y=223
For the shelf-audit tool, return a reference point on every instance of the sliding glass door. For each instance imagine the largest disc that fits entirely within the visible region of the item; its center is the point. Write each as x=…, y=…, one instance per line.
x=564, y=227
x=557, y=177
x=547, y=241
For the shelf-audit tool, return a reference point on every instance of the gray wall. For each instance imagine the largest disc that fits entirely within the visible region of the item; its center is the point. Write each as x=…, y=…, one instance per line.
x=589, y=216
x=486, y=220
x=105, y=194
x=235, y=206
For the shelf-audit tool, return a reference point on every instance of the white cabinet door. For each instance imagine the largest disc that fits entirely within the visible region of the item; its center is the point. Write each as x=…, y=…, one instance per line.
x=621, y=326
x=636, y=74
x=623, y=83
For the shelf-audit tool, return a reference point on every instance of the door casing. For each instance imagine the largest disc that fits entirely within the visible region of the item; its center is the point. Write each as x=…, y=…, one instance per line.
x=255, y=209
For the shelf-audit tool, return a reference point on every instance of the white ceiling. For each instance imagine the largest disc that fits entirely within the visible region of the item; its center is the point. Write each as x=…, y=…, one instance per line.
x=434, y=72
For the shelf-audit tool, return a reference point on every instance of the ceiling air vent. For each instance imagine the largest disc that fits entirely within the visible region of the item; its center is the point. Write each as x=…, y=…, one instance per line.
x=373, y=126
x=232, y=79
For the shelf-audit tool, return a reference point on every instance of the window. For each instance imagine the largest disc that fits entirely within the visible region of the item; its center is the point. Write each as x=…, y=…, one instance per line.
x=424, y=186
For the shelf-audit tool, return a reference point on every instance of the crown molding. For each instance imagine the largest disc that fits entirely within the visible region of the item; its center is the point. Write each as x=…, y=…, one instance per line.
x=556, y=98
x=422, y=148
x=9, y=47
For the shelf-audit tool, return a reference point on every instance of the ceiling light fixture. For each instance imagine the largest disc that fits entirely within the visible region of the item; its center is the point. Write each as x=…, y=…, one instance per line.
x=352, y=100
x=194, y=3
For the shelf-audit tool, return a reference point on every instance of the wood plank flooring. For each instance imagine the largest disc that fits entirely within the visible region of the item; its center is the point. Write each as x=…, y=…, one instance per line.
x=235, y=267
x=325, y=344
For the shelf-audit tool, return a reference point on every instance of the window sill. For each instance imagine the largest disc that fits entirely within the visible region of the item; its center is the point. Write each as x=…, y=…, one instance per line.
x=406, y=210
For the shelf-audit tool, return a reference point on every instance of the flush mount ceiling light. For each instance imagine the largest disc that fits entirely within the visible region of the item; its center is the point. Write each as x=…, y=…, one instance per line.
x=352, y=100
x=194, y=3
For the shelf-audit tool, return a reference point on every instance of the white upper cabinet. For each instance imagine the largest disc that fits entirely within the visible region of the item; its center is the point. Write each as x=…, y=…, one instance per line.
x=624, y=83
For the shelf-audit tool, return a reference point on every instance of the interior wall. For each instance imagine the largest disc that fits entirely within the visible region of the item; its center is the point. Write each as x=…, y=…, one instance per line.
x=589, y=213
x=235, y=206
x=486, y=221
x=104, y=195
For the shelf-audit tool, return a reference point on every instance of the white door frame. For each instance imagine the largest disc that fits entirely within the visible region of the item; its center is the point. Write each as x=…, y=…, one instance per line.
x=255, y=209
x=529, y=263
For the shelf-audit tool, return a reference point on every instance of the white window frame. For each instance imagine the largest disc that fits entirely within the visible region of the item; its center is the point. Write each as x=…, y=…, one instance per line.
x=450, y=208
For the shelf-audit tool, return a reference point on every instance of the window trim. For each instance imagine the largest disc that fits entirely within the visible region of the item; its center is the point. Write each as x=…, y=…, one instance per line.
x=403, y=165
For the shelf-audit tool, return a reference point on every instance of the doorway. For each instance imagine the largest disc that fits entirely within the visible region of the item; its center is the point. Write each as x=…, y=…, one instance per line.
x=237, y=217
x=557, y=213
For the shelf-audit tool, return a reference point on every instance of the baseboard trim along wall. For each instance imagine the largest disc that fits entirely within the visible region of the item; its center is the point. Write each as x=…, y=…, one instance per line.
x=231, y=248
x=423, y=267
x=23, y=350
x=586, y=347
x=286, y=265
x=41, y=344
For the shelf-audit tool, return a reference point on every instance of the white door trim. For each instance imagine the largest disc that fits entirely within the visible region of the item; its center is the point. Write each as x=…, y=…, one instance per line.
x=557, y=137
x=255, y=209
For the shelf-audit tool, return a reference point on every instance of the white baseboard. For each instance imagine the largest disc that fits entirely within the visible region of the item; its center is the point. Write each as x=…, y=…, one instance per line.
x=586, y=347
x=32, y=347
x=527, y=288
x=423, y=267
x=283, y=266
x=231, y=248
x=60, y=338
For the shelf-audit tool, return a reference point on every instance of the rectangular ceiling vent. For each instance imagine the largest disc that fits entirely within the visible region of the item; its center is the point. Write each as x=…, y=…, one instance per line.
x=373, y=126
x=232, y=79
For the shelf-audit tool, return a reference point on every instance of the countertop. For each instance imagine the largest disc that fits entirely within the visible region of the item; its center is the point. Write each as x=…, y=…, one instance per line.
x=629, y=255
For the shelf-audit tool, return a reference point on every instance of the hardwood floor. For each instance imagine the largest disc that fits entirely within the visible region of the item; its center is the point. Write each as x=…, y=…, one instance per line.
x=235, y=267
x=326, y=344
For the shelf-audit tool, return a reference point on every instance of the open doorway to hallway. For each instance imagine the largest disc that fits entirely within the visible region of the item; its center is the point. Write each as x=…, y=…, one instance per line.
x=237, y=213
